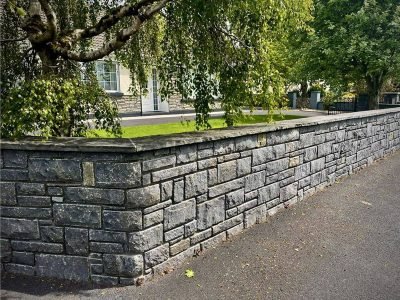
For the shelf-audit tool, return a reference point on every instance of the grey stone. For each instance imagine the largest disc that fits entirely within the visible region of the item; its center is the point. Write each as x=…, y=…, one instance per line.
x=7, y=193
x=123, y=265
x=288, y=192
x=255, y=216
x=122, y=220
x=210, y=213
x=207, y=163
x=179, y=214
x=157, y=207
x=26, y=212
x=51, y=170
x=62, y=266
x=156, y=256
x=20, y=269
x=204, y=153
x=103, y=247
x=228, y=157
x=5, y=250
x=153, y=218
x=19, y=229
x=243, y=166
x=54, y=191
x=143, y=197
x=52, y=234
x=254, y=181
x=77, y=241
x=190, y=228
x=235, y=198
x=195, y=184
x=251, y=195
x=307, y=139
x=324, y=149
x=315, y=179
x=107, y=236
x=57, y=199
x=214, y=241
x=224, y=147
x=200, y=236
x=179, y=191
x=112, y=174
x=186, y=154
x=96, y=269
x=103, y=280
x=24, y=258
x=304, y=182
x=179, y=247
x=294, y=161
x=226, y=187
x=317, y=165
x=94, y=196
x=15, y=159
x=234, y=231
x=14, y=175
x=277, y=166
x=227, y=171
x=283, y=136
x=269, y=192
x=146, y=239
x=27, y=188
x=302, y=171
x=166, y=190
x=174, y=233
x=174, y=172
x=227, y=224
x=247, y=205
x=88, y=173
x=292, y=146
x=212, y=176
x=37, y=247
x=35, y=201
x=158, y=163
x=310, y=153
x=79, y=215
x=246, y=142
x=266, y=154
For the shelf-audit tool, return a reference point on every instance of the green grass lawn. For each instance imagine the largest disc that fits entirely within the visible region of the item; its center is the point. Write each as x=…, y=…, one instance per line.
x=188, y=126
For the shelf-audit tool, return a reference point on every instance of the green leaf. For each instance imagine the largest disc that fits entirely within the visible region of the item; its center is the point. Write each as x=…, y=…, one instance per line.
x=189, y=273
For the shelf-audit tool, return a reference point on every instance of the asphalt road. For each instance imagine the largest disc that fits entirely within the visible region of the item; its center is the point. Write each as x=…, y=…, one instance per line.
x=342, y=243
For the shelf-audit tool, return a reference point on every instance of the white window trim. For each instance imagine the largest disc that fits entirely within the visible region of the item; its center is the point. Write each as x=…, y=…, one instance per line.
x=117, y=71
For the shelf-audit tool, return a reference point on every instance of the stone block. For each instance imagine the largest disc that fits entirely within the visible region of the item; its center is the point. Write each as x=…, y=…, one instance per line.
x=159, y=163
x=54, y=191
x=247, y=205
x=37, y=247
x=307, y=139
x=26, y=212
x=166, y=190
x=179, y=191
x=54, y=170
x=200, y=236
x=302, y=171
x=7, y=193
x=19, y=229
x=277, y=166
x=157, y=207
x=243, y=166
x=195, y=184
x=186, y=154
x=207, y=163
x=214, y=241
x=227, y=224
x=254, y=181
x=179, y=247
x=204, y=153
x=88, y=216
x=210, y=213
x=20, y=269
x=107, y=236
x=288, y=192
x=86, y=195
x=179, y=214
x=122, y=220
x=143, y=197
x=266, y=154
x=269, y=192
x=222, y=147
x=35, y=201
x=294, y=161
x=123, y=175
x=227, y=171
x=14, y=174
x=5, y=250
x=102, y=247
x=153, y=218
x=62, y=267
x=174, y=233
x=156, y=256
x=77, y=241
x=23, y=258
x=103, y=280
x=246, y=142
x=212, y=176
x=226, y=187
x=96, y=268
x=146, y=239
x=15, y=159
x=27, y=188
x=317, y=165
x=235, y=198
x=88, y=173
x=52, y=234
x=255, y=216
x=283, y=136
x=190, y=228
x=174, y=172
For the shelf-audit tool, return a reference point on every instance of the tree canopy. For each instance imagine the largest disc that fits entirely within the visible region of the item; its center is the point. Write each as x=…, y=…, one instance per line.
x=233, y=51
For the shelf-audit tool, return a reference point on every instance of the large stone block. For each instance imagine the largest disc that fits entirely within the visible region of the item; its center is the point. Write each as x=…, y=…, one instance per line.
x=55, y=170
x=243, y=166
x=123, y=265
x=102, y=247
x=63, y=267
x=235, y=198
x=179, y=214
x=224, y=147
x=174, y=172
x=77, y=215
x=5, y=250
x=24, y=258
x=158, y=163
x=35, y=201
x=14, y=174
x=26, y=212
x=283, y=136
x=195, y=184
x=37, y=247
x=246, y=142
x=107, y=236
x=227, y=171
x=288, y=192
x=302, y=171
x=19, y=229
x=15, y=159
x=254, y=181
x=186, y=154
x=226, y=187
x=143, y=197
x=277, y=166
x=94, y=195
x=27, y=188
x=7, y=193
x=77, y=241
x=269, y=192
x=112, y=174
x=146, y=239
x=52, y=234
x=156, y=256
x=266, y=154
x=122, y=220
x=210, y=213
x=317, y=165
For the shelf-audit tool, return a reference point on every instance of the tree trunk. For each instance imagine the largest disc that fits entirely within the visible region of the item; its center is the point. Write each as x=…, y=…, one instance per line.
x=374, y=86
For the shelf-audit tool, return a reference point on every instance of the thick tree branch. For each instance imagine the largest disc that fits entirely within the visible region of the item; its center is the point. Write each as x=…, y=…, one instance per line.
x=51, y=31
x=120, y=39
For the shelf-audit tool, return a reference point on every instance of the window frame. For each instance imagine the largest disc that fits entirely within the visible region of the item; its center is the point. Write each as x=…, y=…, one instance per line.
x=117, y=74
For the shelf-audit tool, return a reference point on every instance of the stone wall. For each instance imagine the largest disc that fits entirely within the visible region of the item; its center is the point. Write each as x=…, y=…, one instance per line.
x=113, y=211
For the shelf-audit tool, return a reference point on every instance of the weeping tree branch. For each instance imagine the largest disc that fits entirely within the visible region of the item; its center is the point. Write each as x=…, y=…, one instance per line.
x=51, y=31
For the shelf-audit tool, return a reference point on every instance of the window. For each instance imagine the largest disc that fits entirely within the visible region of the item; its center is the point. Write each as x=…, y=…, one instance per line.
x=108, y=75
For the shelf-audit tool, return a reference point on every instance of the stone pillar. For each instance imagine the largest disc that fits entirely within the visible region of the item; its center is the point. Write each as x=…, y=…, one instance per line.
x=314, y=99
x=293, y=99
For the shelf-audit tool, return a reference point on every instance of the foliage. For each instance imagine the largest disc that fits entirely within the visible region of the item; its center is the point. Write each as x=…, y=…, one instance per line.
x=57, y=107
x=233, y=51
x=189, y=273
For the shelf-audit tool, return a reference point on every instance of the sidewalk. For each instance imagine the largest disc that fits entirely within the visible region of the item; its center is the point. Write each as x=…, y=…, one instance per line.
x=342, y=243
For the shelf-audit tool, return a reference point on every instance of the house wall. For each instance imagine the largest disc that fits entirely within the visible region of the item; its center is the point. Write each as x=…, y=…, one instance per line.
x=112, y=211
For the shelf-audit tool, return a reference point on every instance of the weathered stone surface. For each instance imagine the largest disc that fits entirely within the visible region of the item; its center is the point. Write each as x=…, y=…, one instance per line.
x=146, y=239
x=107, y=236
x=24, y=258
x=112, y=174
x=94, y=195
x=96, y=268
x=179, y=247
x=317, y=165
x=288, y=192
x=186, y=154
x=79, y=215
x=174, y=172
x=200, y=236
x=255, y=216
x=277, y=166
x=88, y=173
x=63, y=267
x=269, y=192
x=19, y=269
x=207, y=163
x=246, y=142
x=254, y=181
x=51, y=170
x=179, y=214
x=54, y=191
x=106, y=247
x=15, y=159
x=122, y=220
x=195, y=184
x=5, y=250
x=324, y=149
x=235, y=198
x=26, y=212
x=166, y=190
x=153, y=218
x=190, y=228
x=227, y=224
x=37, y=247
x=19, y=229
x=159, y=163
x=157, y=207
x=77, y=241
x=7, y=193
x=104, y=281
x=283, y=136
x=210, y=213
x=14, y=174
x=27, y=188
x=143, y=197
x=243, y=166
x=123, y=265
x=52, y=234
x=174, y=233
x=294, y=161
x=224, y=147
x=179, y=191
x=266, y=154
x=214, y=241
x=247, y=205
x=35, y=201
x=227, y=171
x=212, y=175
x=225, y=187
x=156, y=256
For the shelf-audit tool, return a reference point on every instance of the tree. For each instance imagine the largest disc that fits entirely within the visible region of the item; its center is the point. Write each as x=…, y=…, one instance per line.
x=355, y=42
x=228, y=50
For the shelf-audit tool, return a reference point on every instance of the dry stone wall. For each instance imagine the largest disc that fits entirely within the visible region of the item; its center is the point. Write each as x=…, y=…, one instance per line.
x=111, y=212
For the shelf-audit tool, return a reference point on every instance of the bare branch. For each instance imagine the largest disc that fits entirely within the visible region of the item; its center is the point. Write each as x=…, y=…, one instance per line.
x=51, y=31
x=120, y=39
